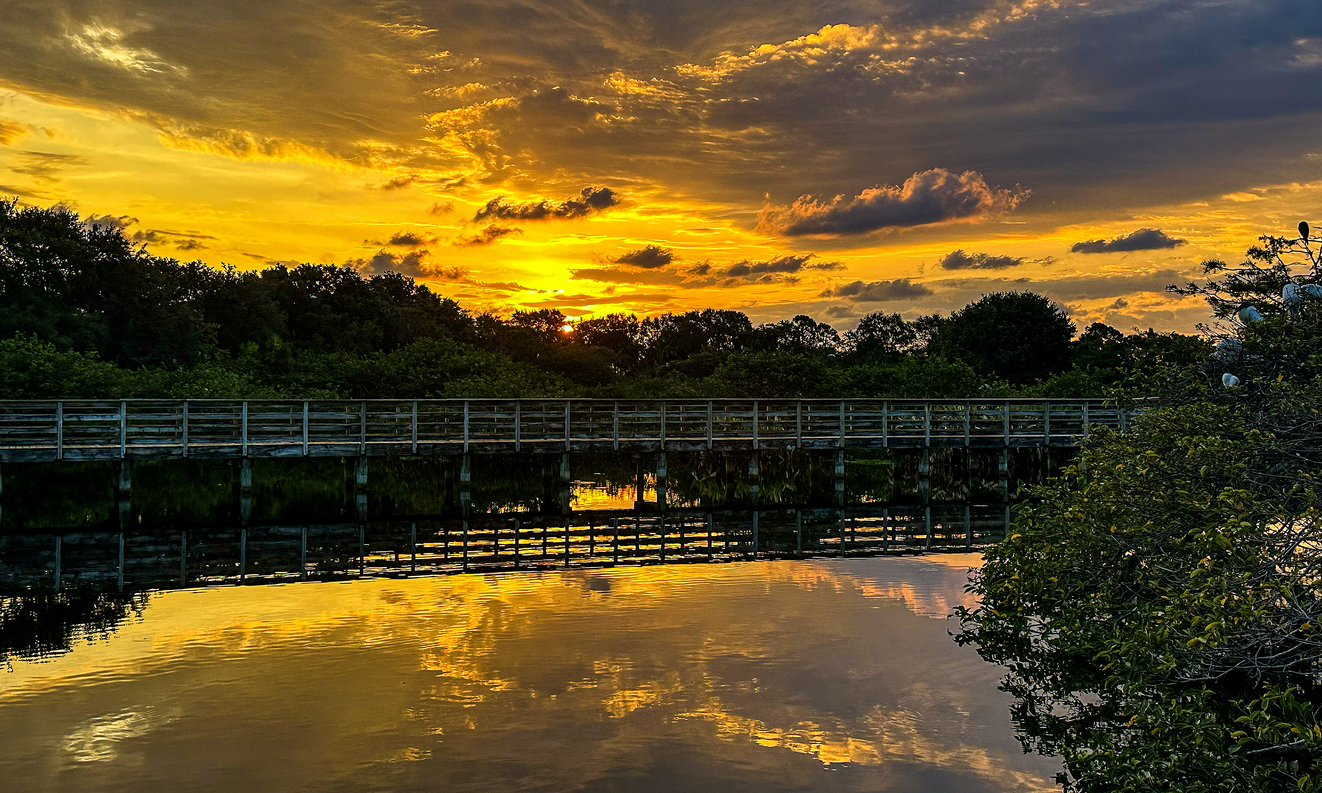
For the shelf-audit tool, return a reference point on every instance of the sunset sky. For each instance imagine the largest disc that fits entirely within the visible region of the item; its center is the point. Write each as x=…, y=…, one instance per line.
x=832, y=157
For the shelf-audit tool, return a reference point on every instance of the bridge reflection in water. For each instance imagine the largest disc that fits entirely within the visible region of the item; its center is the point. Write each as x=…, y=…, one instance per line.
x=136, y=559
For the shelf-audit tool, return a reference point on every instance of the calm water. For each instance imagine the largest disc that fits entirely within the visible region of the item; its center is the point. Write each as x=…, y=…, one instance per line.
x=818, y=675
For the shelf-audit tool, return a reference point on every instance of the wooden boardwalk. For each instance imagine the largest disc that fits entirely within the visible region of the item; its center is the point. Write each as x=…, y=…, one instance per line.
x=35, y=431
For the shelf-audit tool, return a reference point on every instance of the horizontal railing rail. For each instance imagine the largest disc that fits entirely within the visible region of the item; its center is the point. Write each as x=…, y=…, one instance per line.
x=119, y=429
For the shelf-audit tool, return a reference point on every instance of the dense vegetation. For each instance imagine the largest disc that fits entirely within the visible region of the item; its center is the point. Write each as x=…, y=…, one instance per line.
x=1159, y=608
x=86, y=313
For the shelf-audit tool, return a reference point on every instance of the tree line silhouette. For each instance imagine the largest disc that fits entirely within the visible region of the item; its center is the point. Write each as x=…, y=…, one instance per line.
x=84, y=312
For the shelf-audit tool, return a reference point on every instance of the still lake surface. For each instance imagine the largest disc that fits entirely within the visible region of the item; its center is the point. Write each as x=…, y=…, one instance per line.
x=802, y=675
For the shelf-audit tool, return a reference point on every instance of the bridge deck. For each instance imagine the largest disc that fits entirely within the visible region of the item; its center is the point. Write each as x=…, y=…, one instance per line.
x=111, y=430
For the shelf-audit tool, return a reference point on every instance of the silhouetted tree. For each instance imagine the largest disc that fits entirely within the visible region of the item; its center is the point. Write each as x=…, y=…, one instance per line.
x=1019, y=337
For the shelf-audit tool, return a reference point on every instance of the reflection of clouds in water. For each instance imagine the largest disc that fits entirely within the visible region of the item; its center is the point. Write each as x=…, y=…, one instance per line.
x=801, y=664
x=98, y=739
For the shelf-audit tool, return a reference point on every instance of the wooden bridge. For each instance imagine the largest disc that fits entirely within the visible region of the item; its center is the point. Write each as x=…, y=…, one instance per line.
x=33, y=431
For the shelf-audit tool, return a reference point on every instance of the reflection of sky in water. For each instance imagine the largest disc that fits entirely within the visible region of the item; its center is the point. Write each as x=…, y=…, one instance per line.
x=816, y=675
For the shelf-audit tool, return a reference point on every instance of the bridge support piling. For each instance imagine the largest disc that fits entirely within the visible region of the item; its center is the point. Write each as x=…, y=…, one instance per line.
x=840, y=477
x=360, y=489
x=123, y=494
x=245, y=491
x=640, y=481
x=754, y=479
x=662, y=480
x=466, y=470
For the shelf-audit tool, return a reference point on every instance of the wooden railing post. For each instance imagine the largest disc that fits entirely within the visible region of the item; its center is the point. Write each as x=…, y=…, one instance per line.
x=842, y=424
x=413, y=427
x=518, y=421
x=59, y=438
x=305, y=428
x=885, y=424
x=1085, y=419
x=755, y=424
x=1046, y=423
x=184, y=432
x=615, y=425
x=243, y=427
x=123, y=429
x=798, y=423
x=709, y=425
x=568, y=434
x=362, y=428
x=465, y=426
x=1005, y=419
x=968, y=409
x=663, y=425
x=927, y=424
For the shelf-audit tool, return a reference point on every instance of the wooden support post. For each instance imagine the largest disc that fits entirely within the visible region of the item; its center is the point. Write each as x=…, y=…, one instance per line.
x=123, y=429
x=305, y=429
x=243, y=554
x=184, y=429
x=360, y=489
x=662, y=479
x=840, y=477
x=413, y=429
x=639, y=482
x=59, y=435
x=798, y=423
x=925, y=475
x=927, y=523
x=518, y=425
x=968, y=526
x=303, y=555
x=756, y=514
x=243, y=430
x=754, y=478
x=245, y=491
x=466, y=470
x=124, y=483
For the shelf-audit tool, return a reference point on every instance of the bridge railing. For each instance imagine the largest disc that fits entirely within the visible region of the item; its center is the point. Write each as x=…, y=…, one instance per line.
x=106, y=429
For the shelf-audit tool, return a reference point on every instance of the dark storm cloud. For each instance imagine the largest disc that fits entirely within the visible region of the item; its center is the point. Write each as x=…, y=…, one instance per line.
x=933, y=196
x=647, y=257
x=1141, y=240
x=959, y=260
x=589, y=201
x=487, y=235
x=879, y=291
